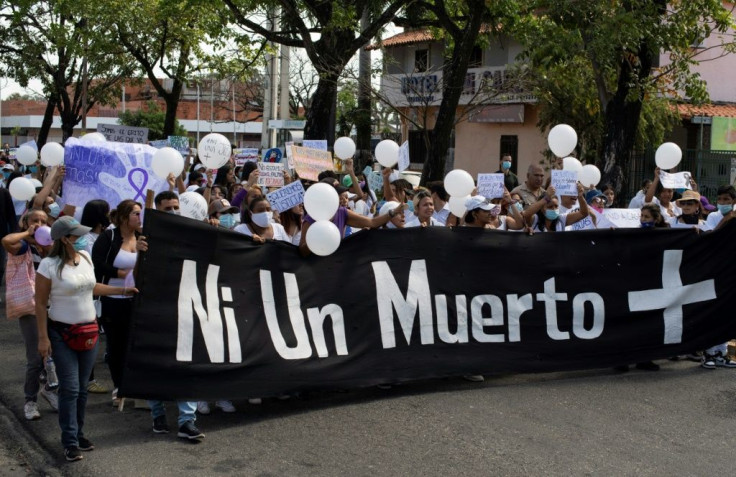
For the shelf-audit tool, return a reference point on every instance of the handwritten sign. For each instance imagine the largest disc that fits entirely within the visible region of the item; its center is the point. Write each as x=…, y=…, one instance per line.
x=678, y=180
x=491, y=186
x=583, y=224
x=623, y=218
x=320, y=144
x=404, y=156
x=286, y=197
x=125, y=134
x=310, y=162
x=181, y=144
x=243, y=155
x=565, y=182
x=270, y=174
x=111, y=171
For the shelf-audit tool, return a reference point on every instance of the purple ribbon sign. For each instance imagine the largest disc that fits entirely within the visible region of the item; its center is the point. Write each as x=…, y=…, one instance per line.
x=139, y=190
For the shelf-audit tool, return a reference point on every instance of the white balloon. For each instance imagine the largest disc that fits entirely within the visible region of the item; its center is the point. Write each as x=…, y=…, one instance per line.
x=214, y=150
x=93, y=137
x=167, y=160
x=387, y=153
x=344, y=147
x=52, y=154
x=321, y=201
x=457, y=205
x=26, y=155
x=572, y=164
x=668, y=155
x=562, y=140
x=590, y=175
x=22, y=189
x=36, y=183
x=458, y=183
x=193, y=205
x=323, y=238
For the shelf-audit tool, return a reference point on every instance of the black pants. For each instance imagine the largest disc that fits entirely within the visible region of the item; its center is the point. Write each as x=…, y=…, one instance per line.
x=116, y=316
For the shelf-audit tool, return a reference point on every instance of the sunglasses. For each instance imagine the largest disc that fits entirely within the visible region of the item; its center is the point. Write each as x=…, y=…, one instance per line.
x=688, y=202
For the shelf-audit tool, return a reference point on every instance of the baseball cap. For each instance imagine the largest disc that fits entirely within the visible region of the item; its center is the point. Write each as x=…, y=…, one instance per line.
x=67, y=225
x=221, y=206
x=707, y=205
x=592, y=194
x=8, y=167
x=478, y=202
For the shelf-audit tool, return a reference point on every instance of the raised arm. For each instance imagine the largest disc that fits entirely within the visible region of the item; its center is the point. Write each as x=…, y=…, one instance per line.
x=583, y=212
x=388, y=194
x=652, y=187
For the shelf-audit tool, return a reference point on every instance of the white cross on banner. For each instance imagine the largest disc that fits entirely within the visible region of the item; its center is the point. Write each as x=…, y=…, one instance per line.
x=672, y=296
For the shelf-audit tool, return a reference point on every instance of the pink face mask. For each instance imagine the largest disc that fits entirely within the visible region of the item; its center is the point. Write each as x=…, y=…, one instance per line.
x=597, y=208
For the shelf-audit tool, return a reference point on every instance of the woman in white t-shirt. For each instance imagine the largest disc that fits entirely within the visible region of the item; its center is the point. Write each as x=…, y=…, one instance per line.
x=259, y=223
x=423, y=211
x=544, y=216
x=663, y=197
x=65, y=282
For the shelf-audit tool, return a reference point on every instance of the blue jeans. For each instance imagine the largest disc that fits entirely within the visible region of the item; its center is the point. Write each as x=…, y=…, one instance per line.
x=187, y=411
x=73, y=368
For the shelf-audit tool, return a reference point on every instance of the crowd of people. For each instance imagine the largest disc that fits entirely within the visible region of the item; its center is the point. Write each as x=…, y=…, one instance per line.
x=60, y=287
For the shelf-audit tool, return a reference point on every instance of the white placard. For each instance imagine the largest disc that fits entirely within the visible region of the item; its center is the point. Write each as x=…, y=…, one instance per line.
x=404, y=156
x=271, y=174
x=491, y=186
x=286, y=197
x=320, y=144
x=678, y=180
x=287, y=152
x=623, y=218
x=126, y=134
x=243, y=155
x=565, y=182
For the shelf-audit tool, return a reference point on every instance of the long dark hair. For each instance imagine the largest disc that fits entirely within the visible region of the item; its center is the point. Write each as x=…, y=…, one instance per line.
x=96, y=213
x=289, y=219
x=656, y=213
x=124, y=209
x=60, y=250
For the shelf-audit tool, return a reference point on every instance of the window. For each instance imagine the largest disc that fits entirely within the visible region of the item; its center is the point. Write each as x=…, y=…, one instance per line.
x=421, y=61
x=476, y=58
x=510, y=146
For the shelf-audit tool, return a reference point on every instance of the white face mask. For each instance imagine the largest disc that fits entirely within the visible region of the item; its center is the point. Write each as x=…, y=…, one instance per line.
x=262, y=219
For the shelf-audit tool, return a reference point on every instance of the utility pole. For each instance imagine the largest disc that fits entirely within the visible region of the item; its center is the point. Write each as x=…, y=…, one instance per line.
x=270, y=85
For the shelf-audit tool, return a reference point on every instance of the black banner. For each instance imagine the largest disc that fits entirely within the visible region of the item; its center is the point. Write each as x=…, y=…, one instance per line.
x=221, y=317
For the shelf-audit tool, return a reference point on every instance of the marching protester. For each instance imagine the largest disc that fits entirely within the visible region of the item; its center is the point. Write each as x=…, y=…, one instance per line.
x=291, y=221
x=24, y=256
x=67, y=330
x=663, y=197
x=689, y=205
x=651, y=217
x=484, y=213
x=114, y=255
x=259, y=223
x=544, y=215
x=610, y=194
x=725, y=202
x=225, y=215
x=396, y=219
x=440, y=199
x=531, y=190
x=423, y=211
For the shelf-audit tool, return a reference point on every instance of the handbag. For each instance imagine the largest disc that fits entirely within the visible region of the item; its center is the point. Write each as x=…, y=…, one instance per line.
x=20, y=286
x=81, y=337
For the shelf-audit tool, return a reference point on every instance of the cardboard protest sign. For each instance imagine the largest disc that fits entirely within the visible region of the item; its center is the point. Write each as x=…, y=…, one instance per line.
x=320, y=144
x=181, y=144
x=623, y=218
x=243, y=155
x=271, y=175
x=287, y=197
x=272, y=155
x=678, y=180
x=491, y=186
x=287, y=153
x=121, y=133
x=310, y=162
x=565, y=182
x=111, y=171
x=583, y=224
x=404, y=156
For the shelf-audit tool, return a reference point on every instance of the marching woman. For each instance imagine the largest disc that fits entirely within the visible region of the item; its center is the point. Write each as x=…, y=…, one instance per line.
x=663, y=197
x=544, y=215
x=68, y=331
x=423, y=211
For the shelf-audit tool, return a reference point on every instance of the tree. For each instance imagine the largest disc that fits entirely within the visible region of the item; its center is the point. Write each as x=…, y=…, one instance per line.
x=606, y=54
x=337, y=25
x=54, y=41
x=154, y=119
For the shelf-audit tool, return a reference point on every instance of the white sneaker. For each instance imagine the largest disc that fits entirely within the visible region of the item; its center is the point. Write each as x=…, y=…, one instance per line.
x=474, y=378
x=203, y=408
x=51, y=397
x=726, y=362
x=31, y=411
x=257, y=400
x=225, y=406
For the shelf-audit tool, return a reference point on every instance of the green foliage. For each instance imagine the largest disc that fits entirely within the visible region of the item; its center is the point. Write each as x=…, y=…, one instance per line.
x=151, y=117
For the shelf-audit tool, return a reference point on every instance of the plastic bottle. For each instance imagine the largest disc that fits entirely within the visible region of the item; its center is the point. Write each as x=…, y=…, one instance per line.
x=52, y=380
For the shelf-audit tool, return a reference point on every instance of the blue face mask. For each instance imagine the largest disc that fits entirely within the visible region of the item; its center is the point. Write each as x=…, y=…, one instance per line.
x=411, y=205
x=6, y=175
x=80, y=244
x=32, y=169
x=227, y=221
x=551, y=214
x=725, y=208
x=647, y=225
x=506, y=165
x=54, y=210
x=519, y=206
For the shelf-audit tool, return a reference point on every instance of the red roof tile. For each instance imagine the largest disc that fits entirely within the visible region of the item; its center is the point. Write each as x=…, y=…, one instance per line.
x=409, y=37
x=727, y=110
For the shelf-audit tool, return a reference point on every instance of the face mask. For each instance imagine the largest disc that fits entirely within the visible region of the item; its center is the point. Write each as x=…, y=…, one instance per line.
x=597, y=208
x=6, y=175
x=411, y=205
x=80, y=244
x=691, y=219
x=54, y=210
x=262, y=219
x=725, y=208
x=506, y=165
x=551, y=214
x=32, y=169
x=519, y=206
x=647, y=225
x=174, y=211
x=227, y=221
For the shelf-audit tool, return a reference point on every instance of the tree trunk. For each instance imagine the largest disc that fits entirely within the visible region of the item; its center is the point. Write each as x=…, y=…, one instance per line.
x=320, y=118
x=48, y=119
x=172, y=104
x=68, y=121
x=453, y=81
x=363, y=118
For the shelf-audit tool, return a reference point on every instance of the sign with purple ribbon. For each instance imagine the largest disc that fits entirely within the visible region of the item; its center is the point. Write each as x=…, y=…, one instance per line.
x=108, y=171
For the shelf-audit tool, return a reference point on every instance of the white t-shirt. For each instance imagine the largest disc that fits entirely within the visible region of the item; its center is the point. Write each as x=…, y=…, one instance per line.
x=675, y=223
x=442, y=214
x=71, y=298
x=123, y=261
x=279, y=233
x=559, y=226
x=414, y=222
x=714, y=218
x=638, y=200
x=675, y=209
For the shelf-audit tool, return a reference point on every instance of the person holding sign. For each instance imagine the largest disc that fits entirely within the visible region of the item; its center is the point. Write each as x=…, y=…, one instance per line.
x=544, y=215
x=663, y=197
x=482, y=212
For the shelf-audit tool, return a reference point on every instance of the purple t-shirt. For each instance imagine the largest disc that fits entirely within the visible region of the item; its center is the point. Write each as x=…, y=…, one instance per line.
x=340, y=219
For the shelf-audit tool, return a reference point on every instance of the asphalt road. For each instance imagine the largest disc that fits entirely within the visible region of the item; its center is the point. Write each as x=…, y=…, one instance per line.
x=677, y=421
